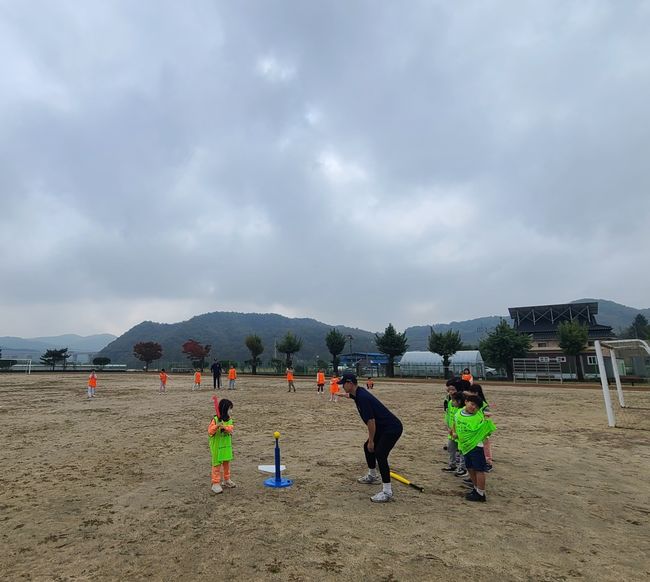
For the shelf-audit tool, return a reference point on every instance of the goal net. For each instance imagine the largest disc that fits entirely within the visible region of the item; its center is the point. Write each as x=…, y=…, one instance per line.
x=626, y=363
x=16, y=365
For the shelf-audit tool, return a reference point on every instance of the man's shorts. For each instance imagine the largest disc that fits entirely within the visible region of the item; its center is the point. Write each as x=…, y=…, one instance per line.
x=475, y=459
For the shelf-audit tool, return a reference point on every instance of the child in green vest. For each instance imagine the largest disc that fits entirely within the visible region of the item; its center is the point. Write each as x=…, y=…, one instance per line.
x=485, y=409
x=472, y=428
x=220, y=433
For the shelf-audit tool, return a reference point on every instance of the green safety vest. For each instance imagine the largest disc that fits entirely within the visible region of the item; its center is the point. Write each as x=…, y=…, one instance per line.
x=471, y=430
x=221, y=444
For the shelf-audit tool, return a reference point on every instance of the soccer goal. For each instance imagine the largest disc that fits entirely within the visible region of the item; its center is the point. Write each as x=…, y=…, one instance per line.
x=16, y=365
x=637, y=352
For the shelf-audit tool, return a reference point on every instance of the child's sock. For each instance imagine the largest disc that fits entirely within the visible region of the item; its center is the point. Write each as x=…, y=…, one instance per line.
x=481, y=492
x=388, y=488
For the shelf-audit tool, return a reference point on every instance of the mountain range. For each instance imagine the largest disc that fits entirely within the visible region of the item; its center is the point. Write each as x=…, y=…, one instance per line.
x=34, y=347
x=226, y=332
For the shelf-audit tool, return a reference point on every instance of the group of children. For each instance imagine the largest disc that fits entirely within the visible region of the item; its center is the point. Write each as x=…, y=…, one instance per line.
x=334, y=385
x=467, y=416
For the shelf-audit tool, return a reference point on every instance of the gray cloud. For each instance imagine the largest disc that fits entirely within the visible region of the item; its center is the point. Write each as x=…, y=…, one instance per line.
x=358, y=163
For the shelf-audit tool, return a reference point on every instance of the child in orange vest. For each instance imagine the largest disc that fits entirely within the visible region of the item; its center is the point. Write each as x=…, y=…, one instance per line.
x=290, y=379
x=92, y=384
x=163, y=381
x=232, y=376
x=197, y=380
x=320, y=382
x=334, y=388
x=467, y=376
x=370, y=384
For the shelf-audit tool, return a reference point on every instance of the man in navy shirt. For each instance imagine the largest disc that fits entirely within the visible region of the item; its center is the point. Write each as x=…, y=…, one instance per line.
x=384, y=430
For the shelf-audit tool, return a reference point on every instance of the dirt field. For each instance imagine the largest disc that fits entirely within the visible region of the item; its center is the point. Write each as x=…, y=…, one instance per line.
x=119, y=487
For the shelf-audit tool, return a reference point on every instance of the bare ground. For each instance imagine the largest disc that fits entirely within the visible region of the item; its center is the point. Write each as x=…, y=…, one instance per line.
x=119, y=487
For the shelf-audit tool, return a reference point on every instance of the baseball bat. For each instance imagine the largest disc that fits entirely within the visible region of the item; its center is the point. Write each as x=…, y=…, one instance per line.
x=405, y=481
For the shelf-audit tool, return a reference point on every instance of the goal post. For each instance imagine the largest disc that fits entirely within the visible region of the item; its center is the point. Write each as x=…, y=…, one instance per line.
x=16, y=365
x=613, y=346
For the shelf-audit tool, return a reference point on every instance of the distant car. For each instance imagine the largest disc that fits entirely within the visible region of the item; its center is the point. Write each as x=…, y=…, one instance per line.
x=491, y=372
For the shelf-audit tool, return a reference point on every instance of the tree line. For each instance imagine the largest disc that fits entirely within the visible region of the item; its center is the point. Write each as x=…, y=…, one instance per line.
x=498, y=349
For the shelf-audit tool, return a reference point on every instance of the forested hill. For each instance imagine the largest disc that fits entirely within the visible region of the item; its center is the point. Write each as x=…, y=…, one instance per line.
x=226, y=333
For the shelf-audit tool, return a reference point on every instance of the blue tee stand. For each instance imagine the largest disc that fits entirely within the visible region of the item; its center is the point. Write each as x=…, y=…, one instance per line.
x=278, y=480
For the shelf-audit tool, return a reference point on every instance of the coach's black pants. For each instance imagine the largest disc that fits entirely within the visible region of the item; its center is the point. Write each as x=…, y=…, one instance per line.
x=216, y=381
x=384, y=442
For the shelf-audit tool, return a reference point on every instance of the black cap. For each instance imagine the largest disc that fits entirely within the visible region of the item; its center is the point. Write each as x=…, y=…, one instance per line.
x=347, y=377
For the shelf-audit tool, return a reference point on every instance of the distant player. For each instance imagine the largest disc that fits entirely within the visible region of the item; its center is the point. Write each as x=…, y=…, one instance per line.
x=197, y=380
x=232, y=376
x=334, y=388
x=370, y=384
x=92, y=384
x=320, y=382
x=163, y=381
x=290, y=379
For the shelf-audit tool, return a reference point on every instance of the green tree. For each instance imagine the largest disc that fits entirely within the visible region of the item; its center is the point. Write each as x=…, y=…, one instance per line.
x=196, y=352
x=254, y=345
x=573, y=338
x=53, y=357
x=147, y=352
x=289, y=345
x=335, y=342
x=446, y=345
x=392, y=344
x=99, y=361
x=502, y=345
x=639, y=328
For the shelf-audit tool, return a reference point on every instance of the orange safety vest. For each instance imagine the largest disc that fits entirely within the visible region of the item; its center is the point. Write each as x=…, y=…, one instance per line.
x=320, y=378
x=92, y=381
x=334, y=385
x=370, y=384
x=290, y=376
x=163, y=377
x=232, y=374
x=197, y=377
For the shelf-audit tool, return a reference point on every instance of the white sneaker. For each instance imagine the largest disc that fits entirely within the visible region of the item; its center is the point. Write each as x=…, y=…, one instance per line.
x=382, y=497
x=369, y=479
x=229, y=484
x=216, y=488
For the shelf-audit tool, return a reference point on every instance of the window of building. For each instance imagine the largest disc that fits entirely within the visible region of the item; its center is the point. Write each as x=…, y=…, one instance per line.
x=560, y=359
x=544, y=359
x=541, y=344
x=592, y=360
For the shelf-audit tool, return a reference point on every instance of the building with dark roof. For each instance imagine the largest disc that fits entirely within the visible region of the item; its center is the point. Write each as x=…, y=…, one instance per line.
x=541, y=323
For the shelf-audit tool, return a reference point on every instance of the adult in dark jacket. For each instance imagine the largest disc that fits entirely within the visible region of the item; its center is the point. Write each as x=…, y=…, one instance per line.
x=384, y=430
x=216, y=375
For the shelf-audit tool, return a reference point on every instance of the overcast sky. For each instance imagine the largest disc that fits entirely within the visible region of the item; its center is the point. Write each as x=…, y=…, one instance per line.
x=356, y=162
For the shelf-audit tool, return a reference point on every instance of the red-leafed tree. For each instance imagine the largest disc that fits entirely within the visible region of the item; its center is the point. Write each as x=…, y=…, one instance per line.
x=196, y=352
x=147, y=352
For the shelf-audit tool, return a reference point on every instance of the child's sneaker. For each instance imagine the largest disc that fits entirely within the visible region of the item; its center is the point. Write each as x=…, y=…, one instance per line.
x=468, y=480
x=229, y=484
x=369, y=479
x=474, y=495
x=450, y=469
x=488, y=468
x=216, y=488
x=382, y=497
x=461, y=473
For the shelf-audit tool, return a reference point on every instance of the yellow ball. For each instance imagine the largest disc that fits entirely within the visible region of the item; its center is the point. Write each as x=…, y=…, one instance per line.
x=276, y=434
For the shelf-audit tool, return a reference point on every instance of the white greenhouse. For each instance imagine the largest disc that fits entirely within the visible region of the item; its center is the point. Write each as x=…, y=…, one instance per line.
x=430, y=364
